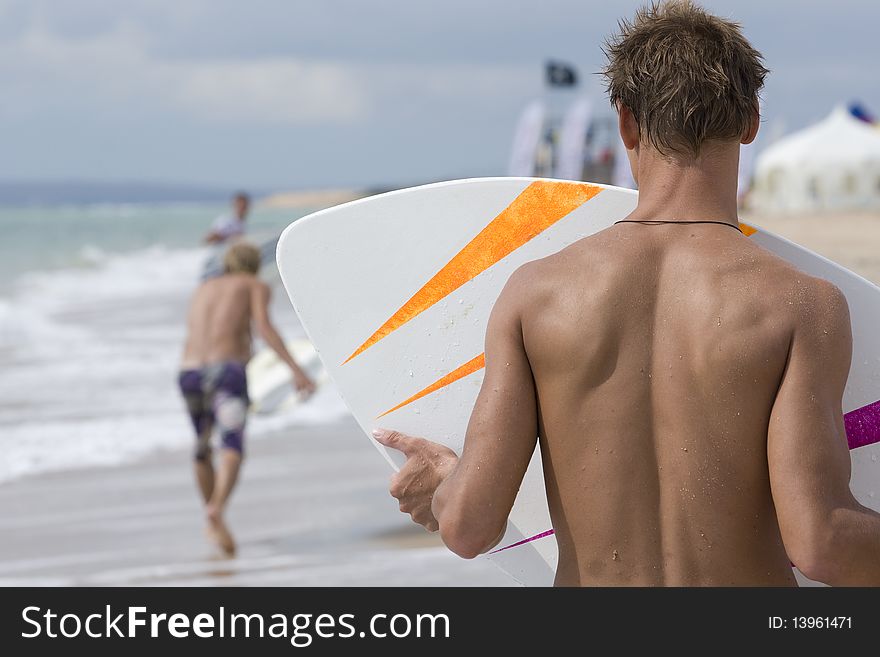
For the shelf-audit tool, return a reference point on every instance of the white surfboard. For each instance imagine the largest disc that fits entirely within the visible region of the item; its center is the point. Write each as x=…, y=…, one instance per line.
x=395, y=291
x=270, y=381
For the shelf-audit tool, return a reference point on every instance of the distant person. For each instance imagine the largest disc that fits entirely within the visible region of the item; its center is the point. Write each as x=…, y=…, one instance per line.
x=683, y=383
x=213, y=377
x=230, y=225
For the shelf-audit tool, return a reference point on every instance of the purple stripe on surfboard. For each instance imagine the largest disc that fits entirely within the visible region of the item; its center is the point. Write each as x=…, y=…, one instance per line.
x=862, y=428
x=549, y=532
x=863, y=425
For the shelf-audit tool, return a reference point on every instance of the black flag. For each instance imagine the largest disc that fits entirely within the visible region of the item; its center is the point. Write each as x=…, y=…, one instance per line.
x=560, y=75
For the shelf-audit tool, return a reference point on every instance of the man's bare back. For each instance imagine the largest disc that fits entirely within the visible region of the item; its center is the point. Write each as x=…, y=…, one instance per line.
x=657, y=352
x=219, y=320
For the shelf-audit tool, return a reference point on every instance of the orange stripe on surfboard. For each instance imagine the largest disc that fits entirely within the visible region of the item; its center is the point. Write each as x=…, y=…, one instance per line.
x=747, y=230
x=469, y=367
x=539, y=206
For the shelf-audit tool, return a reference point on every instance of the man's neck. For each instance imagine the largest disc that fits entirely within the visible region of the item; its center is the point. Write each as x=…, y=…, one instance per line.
x=693, y=189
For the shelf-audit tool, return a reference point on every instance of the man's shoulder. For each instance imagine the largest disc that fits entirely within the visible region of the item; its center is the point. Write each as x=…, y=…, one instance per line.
x=235, y=281
x=246, y=279
x=782, y=279
x=806, y=301
x=533, y=286
x=530, y=278
x=539, y=278
x=817, y=300
x=257, y=286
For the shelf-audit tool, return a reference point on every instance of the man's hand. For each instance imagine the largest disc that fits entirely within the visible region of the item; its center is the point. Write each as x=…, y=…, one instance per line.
x=427, y=465
x=303, y=385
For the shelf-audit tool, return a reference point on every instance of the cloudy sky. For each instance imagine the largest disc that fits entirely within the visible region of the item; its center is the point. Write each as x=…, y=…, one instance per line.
x=286, y=94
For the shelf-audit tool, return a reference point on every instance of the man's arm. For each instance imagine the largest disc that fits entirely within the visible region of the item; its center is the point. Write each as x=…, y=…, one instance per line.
x=828, y=535
x=223, y=228
x=260, y=309
x=217, y=232
x=474, y=494
x=473, y=503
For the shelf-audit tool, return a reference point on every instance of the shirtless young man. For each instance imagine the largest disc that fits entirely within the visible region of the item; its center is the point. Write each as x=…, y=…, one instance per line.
x=684, y=384
x=213, y=378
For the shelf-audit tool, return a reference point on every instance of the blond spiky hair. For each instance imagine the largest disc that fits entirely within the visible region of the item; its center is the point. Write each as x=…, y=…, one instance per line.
x=240, y=258
x=687, y=76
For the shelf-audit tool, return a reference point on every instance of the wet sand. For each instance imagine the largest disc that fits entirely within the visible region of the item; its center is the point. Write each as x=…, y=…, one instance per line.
x=850, y=239
x=311, y=510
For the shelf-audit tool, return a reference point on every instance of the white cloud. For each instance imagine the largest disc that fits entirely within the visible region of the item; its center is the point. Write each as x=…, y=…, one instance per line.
x=278, y=90
x=114, y=72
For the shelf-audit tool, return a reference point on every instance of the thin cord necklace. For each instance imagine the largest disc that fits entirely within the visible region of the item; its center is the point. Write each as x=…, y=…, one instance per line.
x=656, y=222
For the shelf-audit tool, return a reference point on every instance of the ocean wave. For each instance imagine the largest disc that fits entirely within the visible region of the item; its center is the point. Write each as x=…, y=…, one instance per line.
x=89, y=357
x=154, y=270
x=70, y=442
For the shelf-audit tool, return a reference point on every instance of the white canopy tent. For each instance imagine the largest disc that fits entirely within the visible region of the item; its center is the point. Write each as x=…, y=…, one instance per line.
x=832, y=165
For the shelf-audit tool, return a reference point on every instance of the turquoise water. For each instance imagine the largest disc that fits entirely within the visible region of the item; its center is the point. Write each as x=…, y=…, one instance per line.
x=47, y=238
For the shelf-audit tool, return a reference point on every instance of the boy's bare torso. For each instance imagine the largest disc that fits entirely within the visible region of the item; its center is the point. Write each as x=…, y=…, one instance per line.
x=219, y=320
x=657, y=352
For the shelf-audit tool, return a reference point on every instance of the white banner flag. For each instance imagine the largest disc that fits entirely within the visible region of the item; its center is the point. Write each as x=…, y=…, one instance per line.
x=526, y=140
x=570, y=158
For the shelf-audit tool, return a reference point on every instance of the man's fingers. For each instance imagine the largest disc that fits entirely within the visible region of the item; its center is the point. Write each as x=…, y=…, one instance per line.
x=425, y=518
x=395, y=440
x=395, y=486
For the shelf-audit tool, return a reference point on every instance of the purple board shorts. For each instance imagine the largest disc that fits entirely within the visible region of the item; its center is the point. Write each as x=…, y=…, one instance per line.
x=216, y=395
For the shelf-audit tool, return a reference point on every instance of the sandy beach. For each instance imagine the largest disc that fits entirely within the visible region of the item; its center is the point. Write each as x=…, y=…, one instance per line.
x=320, y=198
x=851, y=239
x=312, y=510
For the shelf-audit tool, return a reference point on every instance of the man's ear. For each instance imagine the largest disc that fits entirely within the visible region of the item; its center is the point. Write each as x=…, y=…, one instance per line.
x=628, y=126
x=751, y=130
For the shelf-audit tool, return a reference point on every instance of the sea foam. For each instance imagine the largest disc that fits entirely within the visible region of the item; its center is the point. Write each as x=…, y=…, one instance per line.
x=89, y=358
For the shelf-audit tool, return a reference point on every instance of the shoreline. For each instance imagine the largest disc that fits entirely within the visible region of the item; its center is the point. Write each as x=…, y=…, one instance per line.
x=311, y=509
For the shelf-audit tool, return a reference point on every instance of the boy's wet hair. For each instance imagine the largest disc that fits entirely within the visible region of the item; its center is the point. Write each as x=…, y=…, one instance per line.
x=687, y=76
x=241, y=258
